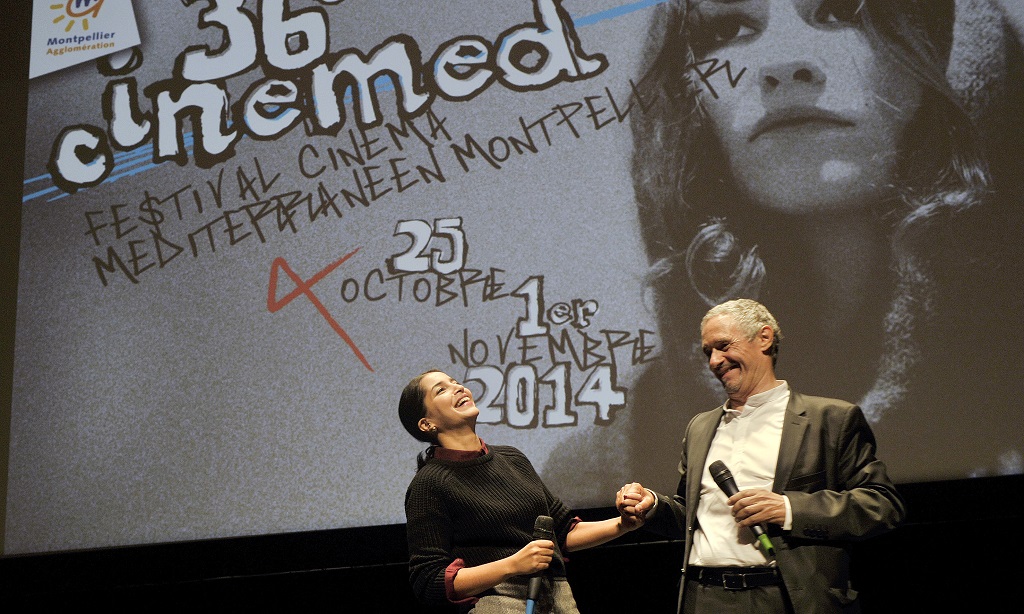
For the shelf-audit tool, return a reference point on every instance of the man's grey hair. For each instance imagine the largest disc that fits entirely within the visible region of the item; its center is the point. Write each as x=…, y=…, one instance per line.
x=751, y=317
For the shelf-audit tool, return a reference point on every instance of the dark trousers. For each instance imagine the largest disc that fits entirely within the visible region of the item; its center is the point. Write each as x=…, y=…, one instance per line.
x=700, y=599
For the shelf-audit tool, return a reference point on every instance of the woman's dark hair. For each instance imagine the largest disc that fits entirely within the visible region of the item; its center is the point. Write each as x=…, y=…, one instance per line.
x=694, y=220
x=701, y=234
x=411, y=410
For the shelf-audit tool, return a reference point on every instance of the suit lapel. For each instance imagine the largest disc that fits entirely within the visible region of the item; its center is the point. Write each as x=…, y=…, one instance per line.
x=794, y=429
x=701, y=434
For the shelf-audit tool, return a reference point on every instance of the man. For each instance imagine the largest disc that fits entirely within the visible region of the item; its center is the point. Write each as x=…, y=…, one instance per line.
x=807, y=476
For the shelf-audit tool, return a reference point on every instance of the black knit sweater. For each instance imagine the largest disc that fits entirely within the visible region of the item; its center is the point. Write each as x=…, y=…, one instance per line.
x=478, y=510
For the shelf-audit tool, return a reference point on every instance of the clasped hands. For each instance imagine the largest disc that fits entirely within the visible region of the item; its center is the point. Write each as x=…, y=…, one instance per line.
x=749, y=507
x=633, y=501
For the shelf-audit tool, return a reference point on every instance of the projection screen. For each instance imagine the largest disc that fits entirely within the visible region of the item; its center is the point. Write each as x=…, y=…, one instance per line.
x=245, y=231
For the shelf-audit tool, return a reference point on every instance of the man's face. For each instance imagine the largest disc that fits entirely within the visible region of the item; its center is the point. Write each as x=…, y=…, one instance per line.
x=741, y=364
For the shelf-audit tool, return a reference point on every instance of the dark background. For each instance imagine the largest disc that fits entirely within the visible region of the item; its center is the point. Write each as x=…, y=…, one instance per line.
x=960, y=549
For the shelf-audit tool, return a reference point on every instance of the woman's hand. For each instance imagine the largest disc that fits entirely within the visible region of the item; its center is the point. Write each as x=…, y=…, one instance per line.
x=534, y=556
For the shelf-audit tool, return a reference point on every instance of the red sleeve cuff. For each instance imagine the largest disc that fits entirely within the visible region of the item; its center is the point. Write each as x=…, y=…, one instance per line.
x=449, y=584
x=572, y=523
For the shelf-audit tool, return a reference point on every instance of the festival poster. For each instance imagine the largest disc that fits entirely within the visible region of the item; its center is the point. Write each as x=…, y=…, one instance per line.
x=242, y=235
x=218, y=310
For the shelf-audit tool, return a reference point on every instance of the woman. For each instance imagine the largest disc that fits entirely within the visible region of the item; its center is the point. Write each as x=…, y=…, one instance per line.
x=812, y=153
x=472, y=509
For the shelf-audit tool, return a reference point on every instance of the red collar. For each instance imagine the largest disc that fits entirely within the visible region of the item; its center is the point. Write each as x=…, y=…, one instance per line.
x=460, y=455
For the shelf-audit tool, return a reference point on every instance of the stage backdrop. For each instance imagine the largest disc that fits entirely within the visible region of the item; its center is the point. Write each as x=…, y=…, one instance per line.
x=246, y=225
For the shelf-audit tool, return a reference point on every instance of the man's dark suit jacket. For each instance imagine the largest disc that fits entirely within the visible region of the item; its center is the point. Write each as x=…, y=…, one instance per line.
x=838, y=490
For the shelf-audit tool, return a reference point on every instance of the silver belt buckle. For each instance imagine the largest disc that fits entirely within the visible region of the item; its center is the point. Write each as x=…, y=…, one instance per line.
x=734, y=586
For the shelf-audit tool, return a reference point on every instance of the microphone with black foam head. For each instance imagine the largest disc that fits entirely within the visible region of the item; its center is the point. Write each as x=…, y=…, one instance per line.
x=723, y=477
x=543, y=528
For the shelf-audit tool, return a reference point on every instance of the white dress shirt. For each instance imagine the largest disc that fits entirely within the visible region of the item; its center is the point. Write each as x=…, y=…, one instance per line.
x=747, y=441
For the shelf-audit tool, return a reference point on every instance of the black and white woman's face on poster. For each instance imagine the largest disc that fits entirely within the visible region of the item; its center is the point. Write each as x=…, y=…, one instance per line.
x=854, y=166
x=816, y=119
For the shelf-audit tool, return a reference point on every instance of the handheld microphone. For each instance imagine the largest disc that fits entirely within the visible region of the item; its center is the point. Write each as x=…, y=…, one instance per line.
x=543, y=528
x=723, y=477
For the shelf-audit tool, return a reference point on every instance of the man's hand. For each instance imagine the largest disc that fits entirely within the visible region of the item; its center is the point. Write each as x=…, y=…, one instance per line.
x=633, y=501
x=758, y=506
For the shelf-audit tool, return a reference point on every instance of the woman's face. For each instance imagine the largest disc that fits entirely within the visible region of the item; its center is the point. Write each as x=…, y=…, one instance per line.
x=448, y=404
x=814, y=121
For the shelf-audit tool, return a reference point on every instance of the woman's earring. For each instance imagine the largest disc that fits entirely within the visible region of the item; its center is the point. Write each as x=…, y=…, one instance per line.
x=433, y=428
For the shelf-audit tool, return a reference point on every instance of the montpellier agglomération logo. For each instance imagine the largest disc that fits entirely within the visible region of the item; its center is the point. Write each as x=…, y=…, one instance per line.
x=69, y=17
x=76, y=12
x=70, y=32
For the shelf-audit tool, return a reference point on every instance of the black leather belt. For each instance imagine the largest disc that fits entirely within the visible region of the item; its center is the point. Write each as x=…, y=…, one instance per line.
x=734, y=578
